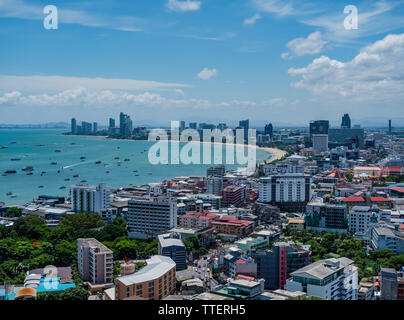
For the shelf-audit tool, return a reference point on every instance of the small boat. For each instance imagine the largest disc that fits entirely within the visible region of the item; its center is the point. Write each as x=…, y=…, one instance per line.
x=73, y=143
x=98, y=162
x=41, y=145
x=67, y=179
x=15, y=159
x=40, y=187
x=29, y=174
x=4, y=147
x=9, y=193
x=136, y=175
x=126, y=160
x=13, y=142
x=28, y=168
x=43, y=172
x=83, y=181
x=61, y=188
x=14, y=196
x=119, y=163
x=107, y=172
x=54, y=163
x=58, y=151
x=116, y=158
x=76, y=176
x=10, y=172
x=82, y=158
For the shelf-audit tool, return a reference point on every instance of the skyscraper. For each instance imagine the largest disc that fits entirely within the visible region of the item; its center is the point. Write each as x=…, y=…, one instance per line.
x=390, y=128
x=193, y=125
x=269, y=130
x=111, y=123
x=245, y=124
x=346, y=122
x=74, y=126
x=319, y=127
x=95, y=127
x=125, y=125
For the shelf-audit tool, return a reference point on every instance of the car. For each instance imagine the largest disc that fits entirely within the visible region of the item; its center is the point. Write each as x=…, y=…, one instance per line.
x=199, y=266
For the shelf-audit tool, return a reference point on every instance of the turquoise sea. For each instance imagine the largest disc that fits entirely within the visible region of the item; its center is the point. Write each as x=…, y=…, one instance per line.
x=36, y=147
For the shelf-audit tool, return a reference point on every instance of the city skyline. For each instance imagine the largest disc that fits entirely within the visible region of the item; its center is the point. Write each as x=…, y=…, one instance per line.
x=265, y=57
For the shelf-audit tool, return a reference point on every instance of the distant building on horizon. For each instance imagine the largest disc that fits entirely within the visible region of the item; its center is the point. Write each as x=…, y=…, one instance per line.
x=74, y=126
x=346, y=122
x=319, y=127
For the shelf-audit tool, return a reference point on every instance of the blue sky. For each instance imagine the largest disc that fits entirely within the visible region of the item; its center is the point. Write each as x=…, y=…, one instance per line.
x=284, y=61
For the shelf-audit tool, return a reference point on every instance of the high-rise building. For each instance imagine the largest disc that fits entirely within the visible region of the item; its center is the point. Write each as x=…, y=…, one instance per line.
x=390, y=128
x=148, y=217
x=291, y=192
x=276, y=265
x=345, y=135
x=93, y=199
x=269, y=130
x=245, y=125
x=214, y=185
x=219, y=170
x=86, y=127
x=193, y=125
x=74, y=126
x=319, y=127
x=125, y=125
x=346, y=122
x=320, y=143
x=182, y=126
x=331, y=279
x=171, y=245
x=111, y=123
x=94, y=261
x=234, y=196
x=321, y=216
x=95, y=127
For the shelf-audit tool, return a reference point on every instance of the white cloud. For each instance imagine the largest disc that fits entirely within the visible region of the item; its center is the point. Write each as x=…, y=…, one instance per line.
x=206, y=74
x=22, y=10
x=183, y=5
x=59, y=83
x=313, y=44
x=180, y=93
x=375, y=74
x=279, y=7
x=253, y=19
x=276, y=101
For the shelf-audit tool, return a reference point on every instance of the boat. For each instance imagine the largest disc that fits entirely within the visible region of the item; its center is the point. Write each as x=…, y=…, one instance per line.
x=98, y=162
x=4, y=147
x=119, y=163
x=14, y=196
x=126, y=160
x=67, y=179
x=83, y=181
x=29, y=174
x=10, y=172
x=40, y=187
x=116, y=158
x=107, y=172
x=13, y=142
x=58, y=150
x=15, y=159
x=136, y=175
x=54, y=163
x=61, y=188
x=81, y=158
x=76, y=176
x=9, y=193
x=28, y=168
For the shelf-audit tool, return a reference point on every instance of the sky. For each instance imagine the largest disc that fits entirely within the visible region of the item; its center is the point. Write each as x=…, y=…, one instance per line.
x=280, y=61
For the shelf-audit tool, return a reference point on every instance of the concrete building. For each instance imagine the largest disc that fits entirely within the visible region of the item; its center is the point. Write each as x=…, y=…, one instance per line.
x=387, y=237
x=93, y=199
x=234, y=196
x=171, y=245
x=147, y=217
x=362, y=219
x=331, y=279
x=94, y=261
x=291, y=192
x=277, y=264
x=218, y=171
x=320, y=143
x=214, y=185
x=228, y=225
x=322, y=216
x=154, y=282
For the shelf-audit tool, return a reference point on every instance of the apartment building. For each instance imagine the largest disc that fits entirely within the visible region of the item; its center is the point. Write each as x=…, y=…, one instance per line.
x=89, y=198
x=154, y=282
x=234, y=196
x=291, y=192
x=331, y=279
x=228, y=225
x=277, y=264
x=197, y=220
x=94, y=261
x=147, y=217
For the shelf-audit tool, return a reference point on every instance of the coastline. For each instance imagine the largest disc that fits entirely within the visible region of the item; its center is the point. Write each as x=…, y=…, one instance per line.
x=273, y=153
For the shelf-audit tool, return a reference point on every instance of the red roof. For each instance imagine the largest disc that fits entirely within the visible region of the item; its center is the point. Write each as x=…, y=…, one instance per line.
x=397, y=169
x=240, y=261
x=353, y=199
x=241, y=276
x=379, y=199
x=398, y=189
